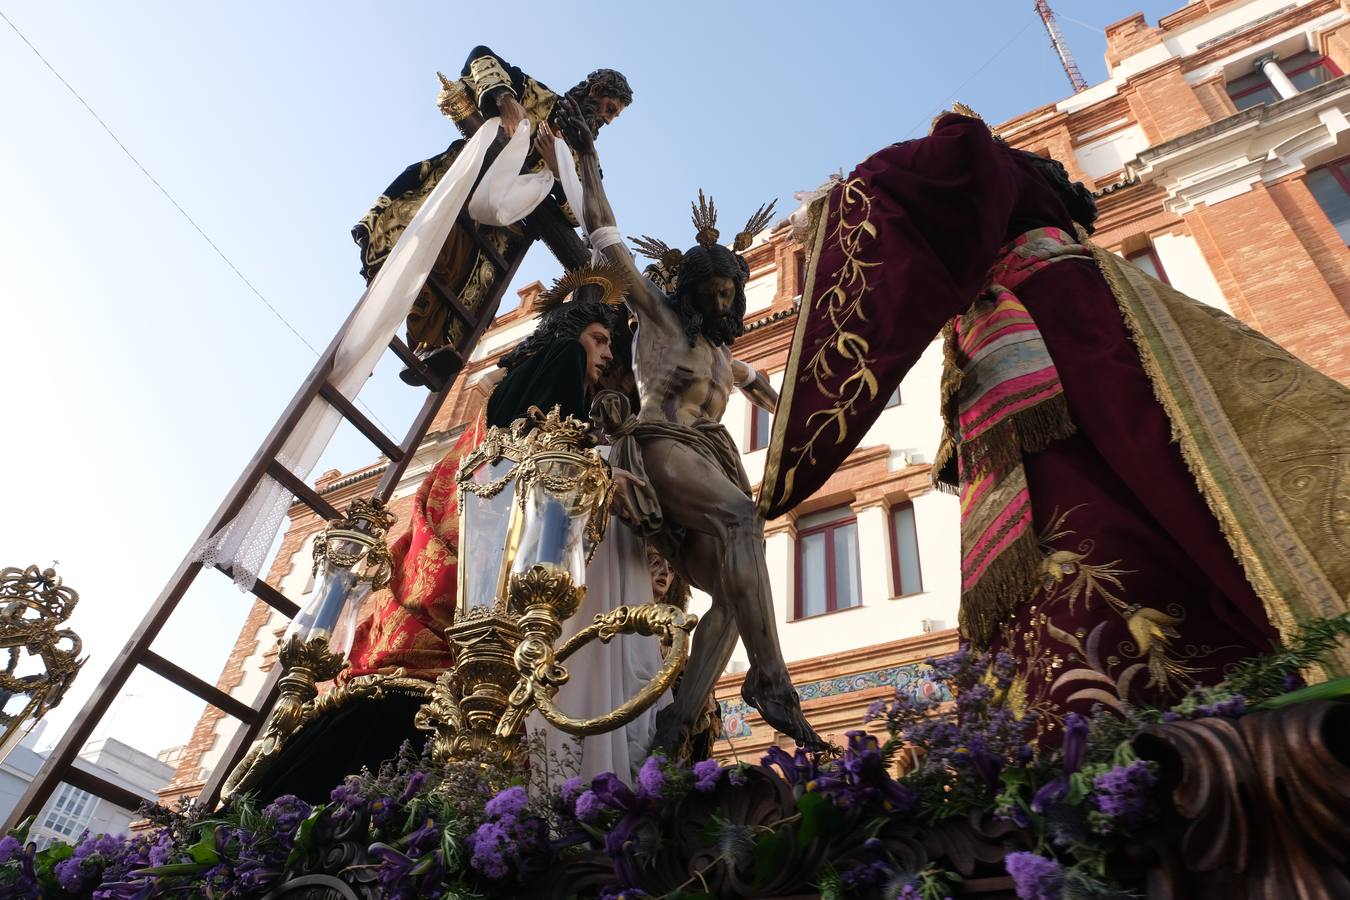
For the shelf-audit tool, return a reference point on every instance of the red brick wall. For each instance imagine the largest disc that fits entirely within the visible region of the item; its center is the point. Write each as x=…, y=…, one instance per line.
x=1264, y=247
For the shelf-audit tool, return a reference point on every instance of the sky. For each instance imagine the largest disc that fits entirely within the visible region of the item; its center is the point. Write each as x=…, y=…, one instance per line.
x=145, y=357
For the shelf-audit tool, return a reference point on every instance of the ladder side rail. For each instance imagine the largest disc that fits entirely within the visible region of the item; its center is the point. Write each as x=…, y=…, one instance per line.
x=245, y=736
x=62, y=756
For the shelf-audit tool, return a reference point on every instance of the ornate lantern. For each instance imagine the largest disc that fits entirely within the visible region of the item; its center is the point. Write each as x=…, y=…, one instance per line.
x=534, y=506
x=43, y=658
x=350, y=560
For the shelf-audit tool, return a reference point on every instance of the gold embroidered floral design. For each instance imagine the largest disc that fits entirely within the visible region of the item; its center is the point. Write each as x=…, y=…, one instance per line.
x=1092, y=671
x=843, y=306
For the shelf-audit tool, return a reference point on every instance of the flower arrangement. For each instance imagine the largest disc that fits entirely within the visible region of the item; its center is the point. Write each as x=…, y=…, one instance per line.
x=850, y=824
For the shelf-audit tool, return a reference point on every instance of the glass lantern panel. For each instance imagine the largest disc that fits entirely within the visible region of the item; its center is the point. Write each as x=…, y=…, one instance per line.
x=485, y=537
x=554, y=533
x=331, y=593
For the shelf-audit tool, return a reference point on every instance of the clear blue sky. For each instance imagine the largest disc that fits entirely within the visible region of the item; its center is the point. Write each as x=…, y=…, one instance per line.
x=140, y=372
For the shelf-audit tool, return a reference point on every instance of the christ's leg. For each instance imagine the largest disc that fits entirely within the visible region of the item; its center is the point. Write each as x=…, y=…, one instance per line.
x=728, y=563
x=714, y=640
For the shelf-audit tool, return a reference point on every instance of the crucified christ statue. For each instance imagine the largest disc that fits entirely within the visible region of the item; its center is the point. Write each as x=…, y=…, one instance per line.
x=696, y=505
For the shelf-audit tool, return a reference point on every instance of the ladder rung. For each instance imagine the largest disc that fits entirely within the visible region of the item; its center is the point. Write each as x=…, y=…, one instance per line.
x=433, y=381
x=184, y=679
x=490, y=251
x=451, y=299
x=303, y=492
x=99, y=787
x=269, y=595
x=363, y=425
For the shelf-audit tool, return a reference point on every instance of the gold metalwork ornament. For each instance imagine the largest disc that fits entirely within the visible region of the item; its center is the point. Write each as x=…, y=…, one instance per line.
x=264, y=753
x=367, y=522
x=533, y=442
x=454, y=100
x=33, y=603
x=506, y=663
x=609, y=276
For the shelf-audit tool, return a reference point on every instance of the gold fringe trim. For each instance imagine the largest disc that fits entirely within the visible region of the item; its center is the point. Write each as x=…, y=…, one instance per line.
x=1030, y=430
x=1006, y=584
x=944, y=476
x=1277, y=609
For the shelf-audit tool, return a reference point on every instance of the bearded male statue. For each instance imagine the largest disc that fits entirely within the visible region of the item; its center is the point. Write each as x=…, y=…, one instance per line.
x=695, y=504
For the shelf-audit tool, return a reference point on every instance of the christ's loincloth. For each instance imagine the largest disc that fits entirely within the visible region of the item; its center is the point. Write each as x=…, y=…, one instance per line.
x=711, y=440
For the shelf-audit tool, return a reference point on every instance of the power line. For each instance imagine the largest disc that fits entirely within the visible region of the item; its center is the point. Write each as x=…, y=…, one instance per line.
x=163, y=190
x=973, y=75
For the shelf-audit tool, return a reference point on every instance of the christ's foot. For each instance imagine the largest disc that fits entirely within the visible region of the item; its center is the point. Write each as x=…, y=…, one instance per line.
x=780, y=706
x=671, y=734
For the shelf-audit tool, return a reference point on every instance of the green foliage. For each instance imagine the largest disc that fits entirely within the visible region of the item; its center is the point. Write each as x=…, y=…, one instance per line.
x=1262, y=677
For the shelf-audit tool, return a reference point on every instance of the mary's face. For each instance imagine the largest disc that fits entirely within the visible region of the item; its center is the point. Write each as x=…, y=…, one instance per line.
x=662, y=575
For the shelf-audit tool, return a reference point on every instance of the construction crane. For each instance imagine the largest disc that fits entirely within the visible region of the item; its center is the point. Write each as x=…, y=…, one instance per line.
x=1061, y=47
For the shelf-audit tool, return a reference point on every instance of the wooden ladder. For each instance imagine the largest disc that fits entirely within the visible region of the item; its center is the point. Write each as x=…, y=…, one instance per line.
x=546, y=223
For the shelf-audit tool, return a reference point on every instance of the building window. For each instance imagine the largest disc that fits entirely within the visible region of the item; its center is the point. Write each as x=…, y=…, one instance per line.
x=1147, y=259
x=71, y=813
x=1305, y=70
x=1330, y=186
x=759, y=428
x=905, y=551
x=894, y=398
x=827, y=563
x=799, y=270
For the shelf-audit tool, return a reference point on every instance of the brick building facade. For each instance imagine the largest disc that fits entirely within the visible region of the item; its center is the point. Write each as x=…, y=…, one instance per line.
x=1214, y=148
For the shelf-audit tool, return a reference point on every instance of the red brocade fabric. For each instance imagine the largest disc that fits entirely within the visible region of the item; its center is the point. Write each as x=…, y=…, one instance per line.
x=411, y=613
x=1140, y=595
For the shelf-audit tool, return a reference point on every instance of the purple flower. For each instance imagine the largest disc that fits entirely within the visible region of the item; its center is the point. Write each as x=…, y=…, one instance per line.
x=1231, y=708
x=799, y=768
x=9, y=848
x=613, y=792
x=613, y=892
x=859, y=879
x=736, y=777
x=1293, y=681
x=416, y=781
x=1035, y=876
x=706, y=775
x=1050, y=794
x=91, y=856
x=492, y=846
x=860, y=777
x=1076, y=730
x=571, y=789
x=1123, y=793
x=589, y=806
x=651, y=780
x=162, y=850
x=510, y=802
x=287, y=812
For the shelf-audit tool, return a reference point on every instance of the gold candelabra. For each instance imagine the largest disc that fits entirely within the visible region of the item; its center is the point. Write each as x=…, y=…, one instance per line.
x=522, y=567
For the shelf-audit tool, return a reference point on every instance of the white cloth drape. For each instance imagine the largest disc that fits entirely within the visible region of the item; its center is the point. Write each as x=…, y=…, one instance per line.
x=245, y=541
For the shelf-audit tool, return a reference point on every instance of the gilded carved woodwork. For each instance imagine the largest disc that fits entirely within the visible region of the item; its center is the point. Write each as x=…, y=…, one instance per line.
x=33, y=605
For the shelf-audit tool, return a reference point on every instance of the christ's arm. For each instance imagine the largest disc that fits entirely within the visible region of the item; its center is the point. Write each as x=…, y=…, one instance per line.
x=754, y=384
x=644, y=298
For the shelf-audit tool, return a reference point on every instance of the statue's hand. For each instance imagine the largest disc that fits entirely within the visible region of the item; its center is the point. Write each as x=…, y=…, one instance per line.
x=576, y=131
x=511, y=111
x=547, y=150
x=622, y=505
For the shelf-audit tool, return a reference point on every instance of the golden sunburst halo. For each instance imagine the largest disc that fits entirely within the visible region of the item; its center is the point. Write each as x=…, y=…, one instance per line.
x=609, y=276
